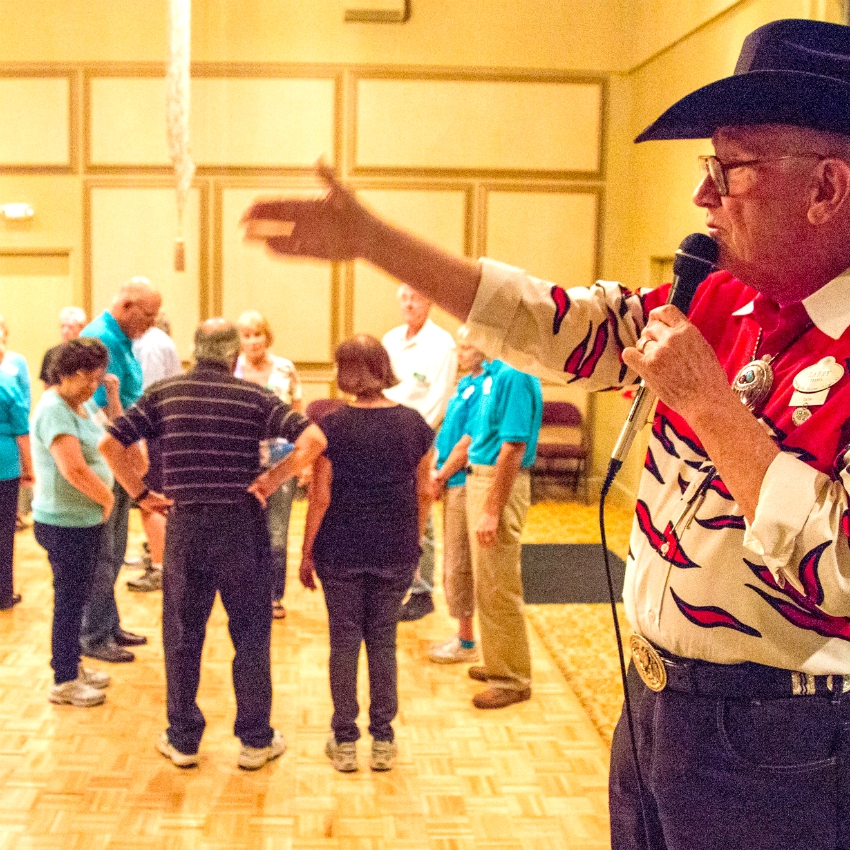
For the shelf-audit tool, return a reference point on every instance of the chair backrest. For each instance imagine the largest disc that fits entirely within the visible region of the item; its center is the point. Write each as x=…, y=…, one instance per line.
x=562, y=413
x=321, y=407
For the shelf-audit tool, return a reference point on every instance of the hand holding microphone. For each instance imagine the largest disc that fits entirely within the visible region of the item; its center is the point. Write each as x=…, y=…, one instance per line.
x=694, y=260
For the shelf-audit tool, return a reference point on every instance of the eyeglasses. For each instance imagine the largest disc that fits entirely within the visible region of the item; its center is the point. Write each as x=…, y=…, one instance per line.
x=718, y=171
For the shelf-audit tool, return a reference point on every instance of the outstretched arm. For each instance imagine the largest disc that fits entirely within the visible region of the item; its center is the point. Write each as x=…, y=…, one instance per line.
x=338, y=227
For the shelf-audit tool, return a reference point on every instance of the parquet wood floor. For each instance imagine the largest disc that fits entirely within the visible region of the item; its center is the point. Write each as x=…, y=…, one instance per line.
x=529, y=777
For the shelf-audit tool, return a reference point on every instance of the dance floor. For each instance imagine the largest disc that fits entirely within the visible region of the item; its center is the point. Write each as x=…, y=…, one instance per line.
x=529, y=777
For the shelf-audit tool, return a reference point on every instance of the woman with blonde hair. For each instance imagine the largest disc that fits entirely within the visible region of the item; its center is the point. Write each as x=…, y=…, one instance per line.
x=369, y=499
x=257, y=364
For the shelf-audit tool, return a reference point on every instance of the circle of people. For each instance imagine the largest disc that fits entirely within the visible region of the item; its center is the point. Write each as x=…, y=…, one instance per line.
x=213, y=458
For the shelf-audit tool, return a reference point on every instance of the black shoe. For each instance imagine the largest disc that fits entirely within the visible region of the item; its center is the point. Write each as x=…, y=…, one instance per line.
x=123, y=638
x=16, y=598
x=416, y=607
x=150, y=580
x=109, y=652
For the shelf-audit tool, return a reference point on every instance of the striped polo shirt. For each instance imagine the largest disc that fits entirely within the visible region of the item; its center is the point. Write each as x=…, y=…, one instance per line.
x=210, y=425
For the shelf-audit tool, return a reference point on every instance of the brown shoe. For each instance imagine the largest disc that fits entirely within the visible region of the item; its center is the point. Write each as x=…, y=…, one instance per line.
x=500, y=697
x=477, y=672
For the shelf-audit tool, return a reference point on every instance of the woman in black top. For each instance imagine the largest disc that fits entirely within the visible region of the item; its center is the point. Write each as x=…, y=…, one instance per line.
x=369, y=498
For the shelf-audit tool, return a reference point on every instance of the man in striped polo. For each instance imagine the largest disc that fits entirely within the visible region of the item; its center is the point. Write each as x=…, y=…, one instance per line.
x=209, y=425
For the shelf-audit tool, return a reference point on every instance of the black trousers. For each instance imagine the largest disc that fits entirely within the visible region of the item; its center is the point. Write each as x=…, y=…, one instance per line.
x=363, y=608
x=8, y=515
x=72, y=553
x=723, y=774
x=224, y=549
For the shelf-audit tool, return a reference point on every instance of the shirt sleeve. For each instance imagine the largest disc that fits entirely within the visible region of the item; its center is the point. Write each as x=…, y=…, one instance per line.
x=516, y=402
x=801, y=531
x=283, y=421
x=562, y=335
x=56, y=421
x=137, y=423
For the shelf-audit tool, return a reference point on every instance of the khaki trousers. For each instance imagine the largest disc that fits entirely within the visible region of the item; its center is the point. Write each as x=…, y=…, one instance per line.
x=457, y=560
x=498, y=581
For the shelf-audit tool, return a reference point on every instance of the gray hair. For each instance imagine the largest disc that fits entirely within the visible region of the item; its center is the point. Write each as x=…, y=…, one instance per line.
x=217, y=339
x=73, y=314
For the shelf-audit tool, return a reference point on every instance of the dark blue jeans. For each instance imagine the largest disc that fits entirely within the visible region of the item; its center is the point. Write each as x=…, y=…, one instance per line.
x=224, y=549
x=725, y=774
x=72, y=553
x=364, y=608
x=8, y=514
x=278, y=512
x=100, y=616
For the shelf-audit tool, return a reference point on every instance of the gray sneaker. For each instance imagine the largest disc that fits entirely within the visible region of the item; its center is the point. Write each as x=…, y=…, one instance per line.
x=177, y=758
x=451, y=652
x=78, y=693
x=343, y=756
x=93, y=678
x=150, y=580
x=383, y=755
x=253, y=758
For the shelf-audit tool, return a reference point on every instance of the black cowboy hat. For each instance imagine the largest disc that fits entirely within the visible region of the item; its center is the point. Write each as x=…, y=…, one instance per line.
x=789, y=72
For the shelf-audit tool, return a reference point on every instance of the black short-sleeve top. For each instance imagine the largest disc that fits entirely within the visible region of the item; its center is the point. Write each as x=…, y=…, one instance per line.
x=371, y=524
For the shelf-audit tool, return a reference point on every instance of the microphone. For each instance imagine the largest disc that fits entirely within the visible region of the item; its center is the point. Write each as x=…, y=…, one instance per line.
x=694, y=260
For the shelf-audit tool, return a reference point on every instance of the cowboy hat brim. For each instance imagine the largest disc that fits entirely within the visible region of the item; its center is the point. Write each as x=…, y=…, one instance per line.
x=758, y=97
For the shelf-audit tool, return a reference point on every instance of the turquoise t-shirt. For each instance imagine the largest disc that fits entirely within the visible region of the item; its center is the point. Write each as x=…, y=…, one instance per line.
x=57, y=501
x=14, y=422
x=459, y=414
x=510, y=411
x=122, y=361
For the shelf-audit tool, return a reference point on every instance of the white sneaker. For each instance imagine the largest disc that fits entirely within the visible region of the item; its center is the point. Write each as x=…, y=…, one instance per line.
x=253, y=758
x=177, y=758
x=93, y=678
x=451, y=652
x=78, y=693
x=383, y=755
x=343, y=756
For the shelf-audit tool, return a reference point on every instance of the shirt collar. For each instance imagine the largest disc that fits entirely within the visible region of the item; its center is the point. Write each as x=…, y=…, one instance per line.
x=828, y=307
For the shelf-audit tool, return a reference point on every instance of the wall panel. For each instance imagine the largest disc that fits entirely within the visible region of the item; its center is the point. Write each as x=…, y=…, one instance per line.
x=437, y=215
x=131, y=232
x=34, y=287
x=36, y=129
x=478, y=125
x=297, y=296
x=552, y=235
x=247, y=122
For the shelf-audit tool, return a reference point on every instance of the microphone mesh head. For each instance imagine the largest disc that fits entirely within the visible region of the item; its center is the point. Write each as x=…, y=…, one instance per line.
x=692, y=264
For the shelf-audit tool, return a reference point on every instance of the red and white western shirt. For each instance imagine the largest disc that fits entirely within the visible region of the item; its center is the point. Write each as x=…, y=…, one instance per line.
x=701, y=581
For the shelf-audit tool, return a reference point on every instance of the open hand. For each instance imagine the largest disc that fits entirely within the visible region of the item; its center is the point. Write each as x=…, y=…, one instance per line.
x=333, y=227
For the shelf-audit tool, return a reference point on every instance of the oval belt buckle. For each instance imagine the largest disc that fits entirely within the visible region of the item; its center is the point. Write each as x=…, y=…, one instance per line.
x=648, y=662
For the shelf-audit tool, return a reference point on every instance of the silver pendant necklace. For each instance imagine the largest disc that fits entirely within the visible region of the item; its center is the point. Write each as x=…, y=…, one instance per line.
x=754, y=381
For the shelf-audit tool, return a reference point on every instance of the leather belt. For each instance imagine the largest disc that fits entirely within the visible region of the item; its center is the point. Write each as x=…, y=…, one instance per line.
x=662, y=670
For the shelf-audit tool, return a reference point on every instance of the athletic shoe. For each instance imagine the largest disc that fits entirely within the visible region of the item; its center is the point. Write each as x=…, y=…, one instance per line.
x=76, y=692
x=150, y=580
x=343, y=756
x=177, y=758
x=253, y=758
x=93, y=678
x=383, y=755
x=416, y=607
x=452, y=652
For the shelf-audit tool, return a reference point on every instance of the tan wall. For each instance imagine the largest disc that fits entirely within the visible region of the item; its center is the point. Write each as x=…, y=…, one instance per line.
x=280, y=82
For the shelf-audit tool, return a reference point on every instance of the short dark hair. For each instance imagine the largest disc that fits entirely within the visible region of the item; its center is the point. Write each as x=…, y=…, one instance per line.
x=363, y=366
x=220, y=344
x=77, y=355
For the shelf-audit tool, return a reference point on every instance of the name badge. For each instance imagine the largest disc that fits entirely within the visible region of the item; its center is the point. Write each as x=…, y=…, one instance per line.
x=823, y=375
x=468, y=392
x=487, y=385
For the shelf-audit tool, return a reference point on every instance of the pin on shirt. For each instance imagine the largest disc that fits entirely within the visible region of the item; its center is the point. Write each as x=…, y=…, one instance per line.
x=811, y=387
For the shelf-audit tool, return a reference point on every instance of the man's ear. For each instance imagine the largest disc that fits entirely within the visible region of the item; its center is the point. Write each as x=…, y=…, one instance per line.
x=831, y=194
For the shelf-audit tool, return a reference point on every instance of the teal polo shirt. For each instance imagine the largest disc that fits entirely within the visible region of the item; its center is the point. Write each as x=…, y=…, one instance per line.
x=122, y=361
x=510, y=411
x=459, y=415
